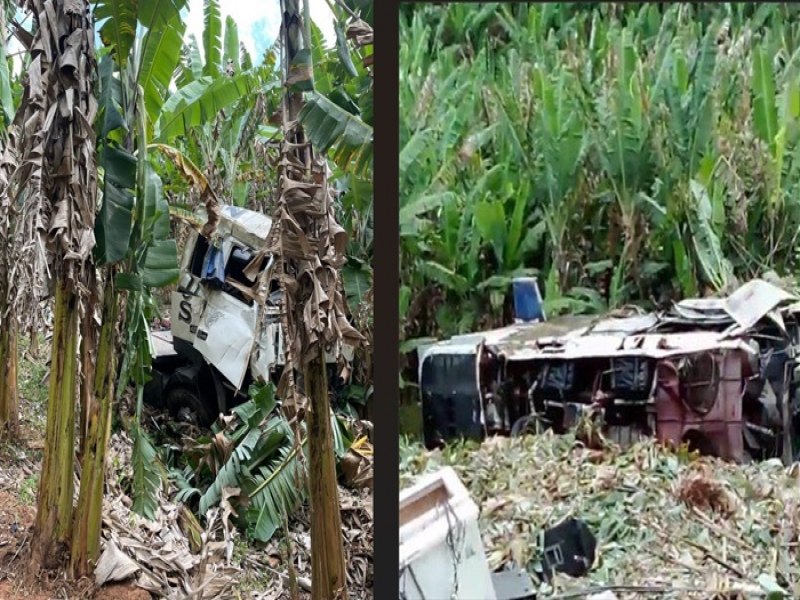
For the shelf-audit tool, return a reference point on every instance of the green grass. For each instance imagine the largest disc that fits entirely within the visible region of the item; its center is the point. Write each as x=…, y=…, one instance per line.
x=32, y=414
x=251, y=580
x=27, y=491
x=32, y=386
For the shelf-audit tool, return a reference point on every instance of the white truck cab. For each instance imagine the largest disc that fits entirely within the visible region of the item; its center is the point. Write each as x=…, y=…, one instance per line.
x=225, y=318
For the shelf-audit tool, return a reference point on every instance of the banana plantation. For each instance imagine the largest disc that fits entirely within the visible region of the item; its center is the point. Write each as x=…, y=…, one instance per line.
x=185, y=302
x=621, y=153
x=586, y=185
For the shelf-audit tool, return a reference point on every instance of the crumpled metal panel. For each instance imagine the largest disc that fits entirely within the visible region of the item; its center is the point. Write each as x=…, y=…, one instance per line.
x=755, y=300
x=246, y=226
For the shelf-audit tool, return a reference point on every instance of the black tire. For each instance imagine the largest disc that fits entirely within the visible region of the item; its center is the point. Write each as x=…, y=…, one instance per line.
x=154, y=392
x=185, y=396
x=527, y=424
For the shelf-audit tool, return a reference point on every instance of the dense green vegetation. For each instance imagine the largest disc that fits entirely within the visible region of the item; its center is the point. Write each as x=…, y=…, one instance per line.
x=621, y=152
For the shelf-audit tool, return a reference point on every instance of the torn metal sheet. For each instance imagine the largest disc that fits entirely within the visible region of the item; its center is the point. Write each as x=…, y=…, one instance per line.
x=162, y=343
x=755, y=300
x=598, y=345
x=513, y=585
x=248, y=226
x=268, y=349
x=225, y=335
x=525, y=333
x=708, y=310
x=441, y=553
x=624, y=325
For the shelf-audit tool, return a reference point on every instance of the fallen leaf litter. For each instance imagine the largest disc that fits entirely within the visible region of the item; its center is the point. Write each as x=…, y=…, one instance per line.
x=667, y=522
x=157, y=554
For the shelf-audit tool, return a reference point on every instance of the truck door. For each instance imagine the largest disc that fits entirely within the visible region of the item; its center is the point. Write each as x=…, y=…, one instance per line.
x=189, y=299
x=225, y=335
x=188, y=302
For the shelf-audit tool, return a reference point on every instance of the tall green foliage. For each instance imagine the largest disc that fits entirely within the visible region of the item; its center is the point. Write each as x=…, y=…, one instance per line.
x=621, y=152
x=132, y=227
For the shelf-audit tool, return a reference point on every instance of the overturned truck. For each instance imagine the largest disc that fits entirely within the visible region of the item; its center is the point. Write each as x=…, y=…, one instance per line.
x=226, y=328
x=718, y=374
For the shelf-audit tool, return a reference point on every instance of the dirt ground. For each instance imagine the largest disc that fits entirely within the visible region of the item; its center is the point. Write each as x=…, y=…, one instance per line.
x=16, y=521
x=20, y=464
x=119, y=591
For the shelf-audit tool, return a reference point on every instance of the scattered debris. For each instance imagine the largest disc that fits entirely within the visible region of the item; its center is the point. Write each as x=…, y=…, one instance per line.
x=174, y=557
x=650, y=539
x=158, y=552
x=513, y=585
x=114, y=565
x=699, y=488
x=607, y=595
x=569, y=548
x=357, y=464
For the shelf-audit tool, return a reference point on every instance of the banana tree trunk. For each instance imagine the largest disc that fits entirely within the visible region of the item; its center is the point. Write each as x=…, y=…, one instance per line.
x=9, y=356
x=88, y=516
x=54, y=506
x=88, y=366
x=59, y=169
x=9, y=325
x=328, y=573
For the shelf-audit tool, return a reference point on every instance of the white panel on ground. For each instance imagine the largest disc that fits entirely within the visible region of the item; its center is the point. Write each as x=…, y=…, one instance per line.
x=441, y=551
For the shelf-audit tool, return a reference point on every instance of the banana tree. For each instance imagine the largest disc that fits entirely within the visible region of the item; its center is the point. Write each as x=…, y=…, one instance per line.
x=9, y=355
x=133, y=250
x=9, y=401
x=218, y=123
x=337, y=113
x=133, y=226
x=59, y=211
x=337, y=117
x=303, y=169
x=435, y=261
x=621, y=135
x=657, y=146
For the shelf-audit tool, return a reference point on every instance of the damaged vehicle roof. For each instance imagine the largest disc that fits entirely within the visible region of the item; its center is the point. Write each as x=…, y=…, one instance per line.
x=716, y=323
x=658, y=345
x=249, y=226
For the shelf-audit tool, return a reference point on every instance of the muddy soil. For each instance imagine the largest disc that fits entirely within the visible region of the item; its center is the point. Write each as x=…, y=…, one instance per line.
x=16, y=523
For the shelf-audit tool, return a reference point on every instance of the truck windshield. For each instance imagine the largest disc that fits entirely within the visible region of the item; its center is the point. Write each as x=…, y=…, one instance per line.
x=447, y=373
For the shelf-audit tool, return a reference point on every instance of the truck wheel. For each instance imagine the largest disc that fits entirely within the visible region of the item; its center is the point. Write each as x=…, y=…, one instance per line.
x=527, y=424
x=185, y=397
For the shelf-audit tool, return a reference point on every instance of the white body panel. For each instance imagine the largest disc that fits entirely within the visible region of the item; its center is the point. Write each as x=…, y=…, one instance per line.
x=225, y=335
x=433, y=510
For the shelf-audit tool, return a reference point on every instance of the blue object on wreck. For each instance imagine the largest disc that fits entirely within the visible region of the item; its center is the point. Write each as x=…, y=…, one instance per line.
x=214, y=267
x=528, y=305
